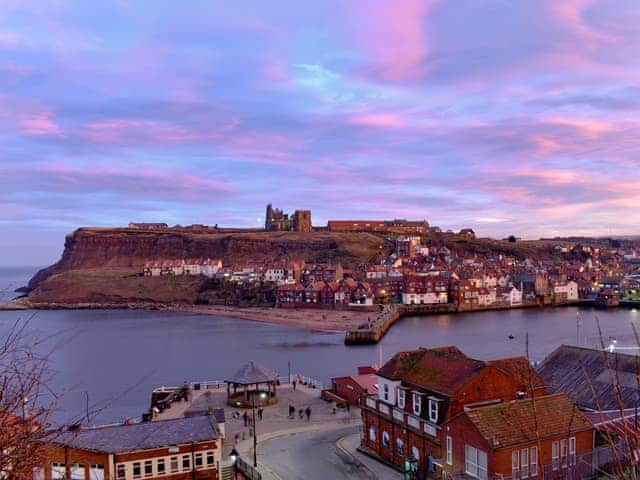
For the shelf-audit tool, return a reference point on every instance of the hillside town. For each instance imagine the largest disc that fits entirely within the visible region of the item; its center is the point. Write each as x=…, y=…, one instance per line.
x=424, y=273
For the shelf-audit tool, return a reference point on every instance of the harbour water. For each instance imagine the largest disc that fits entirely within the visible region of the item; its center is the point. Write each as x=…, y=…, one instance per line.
x=118, y=356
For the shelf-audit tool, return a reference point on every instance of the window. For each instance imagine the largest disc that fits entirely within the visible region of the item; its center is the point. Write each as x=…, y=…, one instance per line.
x=475, y=462
x=148, y=468
x=121, y=471
x=136, y=470
x=96, y=472
x=210, y=458
x=417, y=403
x=401, y=395
x=186, y=462
x=38, y=473
x=385, y=392
x=385, y=440
x=555, y=450
x=572, y=451
x=449, y=450
x=174, y=464
x=534, y=461
x=77, y=472
x=433, y=411
x=58, y=471
x=524, y=463
x=372, y=433
x=198, y=460
x=160, y=466
x=415, y=453
x=563, y=452
x=399, y=447
x=515, y=465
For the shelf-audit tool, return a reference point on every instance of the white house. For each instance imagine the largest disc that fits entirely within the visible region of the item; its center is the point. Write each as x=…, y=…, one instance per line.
x=209, y=268
x=428, y=298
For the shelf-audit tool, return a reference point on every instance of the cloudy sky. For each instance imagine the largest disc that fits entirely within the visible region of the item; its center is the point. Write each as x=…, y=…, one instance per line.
x=505, y=116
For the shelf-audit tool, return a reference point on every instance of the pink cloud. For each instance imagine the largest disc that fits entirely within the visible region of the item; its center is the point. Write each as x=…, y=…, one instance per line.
x=39, y=124
x=394, y=35
x=119, y=131
x=381, y=120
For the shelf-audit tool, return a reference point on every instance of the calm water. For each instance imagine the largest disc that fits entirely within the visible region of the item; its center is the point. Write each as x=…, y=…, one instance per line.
x=119, y=355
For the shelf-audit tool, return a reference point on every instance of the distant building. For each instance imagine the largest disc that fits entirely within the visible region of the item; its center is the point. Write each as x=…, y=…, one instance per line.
x=401, y=226
x=180, y=448
x=152, y=226
x=278, y=221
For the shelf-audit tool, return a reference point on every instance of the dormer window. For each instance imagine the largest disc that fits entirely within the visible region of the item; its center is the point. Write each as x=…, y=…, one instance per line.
x=417, y=403
x=401, y=397
x=433, y=411
x=385, y=392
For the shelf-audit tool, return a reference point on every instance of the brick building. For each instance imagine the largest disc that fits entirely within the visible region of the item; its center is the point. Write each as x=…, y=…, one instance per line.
x=542, y=437
x=419, y=391
x=180, y=449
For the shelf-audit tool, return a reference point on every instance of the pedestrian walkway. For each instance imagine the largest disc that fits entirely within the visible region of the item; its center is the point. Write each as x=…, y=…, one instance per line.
x=350, y=444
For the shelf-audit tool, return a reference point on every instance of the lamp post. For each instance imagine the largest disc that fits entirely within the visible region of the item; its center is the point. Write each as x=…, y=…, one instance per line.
x=255, y=438
x=234, y=458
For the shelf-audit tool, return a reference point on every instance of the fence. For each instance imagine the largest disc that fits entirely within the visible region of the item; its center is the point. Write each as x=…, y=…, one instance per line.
x=248, y=470
x=218, y=384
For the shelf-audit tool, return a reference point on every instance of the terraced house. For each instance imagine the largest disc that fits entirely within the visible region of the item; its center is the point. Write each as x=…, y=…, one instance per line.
x=180, y=449
x=420, y=391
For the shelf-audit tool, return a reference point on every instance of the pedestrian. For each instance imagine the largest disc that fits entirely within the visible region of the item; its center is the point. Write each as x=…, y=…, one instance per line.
x=294, y=384
x=292, y=411
x=245, y=416
x=348, y=406
x=260, y=410
x=301, y=413
x=308, y=413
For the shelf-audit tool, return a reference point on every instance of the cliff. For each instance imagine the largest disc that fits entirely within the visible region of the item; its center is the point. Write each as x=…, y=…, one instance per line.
x=100, y=264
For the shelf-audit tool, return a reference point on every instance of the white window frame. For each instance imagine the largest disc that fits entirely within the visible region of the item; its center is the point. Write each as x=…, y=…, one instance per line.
x=96, y=471
x=433, y=411
x=121, y=467
x=563, y=453
x=533, y=460
x=211, y=458
x=58, y=471
x=78, y=472
x=400, y=451
x=385, y=392
x=148, y=463
x=572, y=451
x=475, y=462
x=515, y=464
x=386, y=440
x=524, y=463
x=373, y=433
x=401, y=394
x=161, y=461
x=417, y=403
x=449, y=450
x=174, y=464
x=555, y=455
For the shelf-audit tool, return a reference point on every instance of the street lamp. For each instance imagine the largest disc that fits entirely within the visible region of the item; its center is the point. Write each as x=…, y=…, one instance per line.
x=234, y=458
x=255, y=438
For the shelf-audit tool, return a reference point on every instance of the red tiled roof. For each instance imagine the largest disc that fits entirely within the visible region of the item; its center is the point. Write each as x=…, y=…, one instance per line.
x=520, y=369
x=442, y=370
x=524, y=421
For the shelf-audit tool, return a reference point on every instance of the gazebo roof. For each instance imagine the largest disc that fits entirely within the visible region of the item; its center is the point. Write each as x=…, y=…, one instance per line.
x=253, y=372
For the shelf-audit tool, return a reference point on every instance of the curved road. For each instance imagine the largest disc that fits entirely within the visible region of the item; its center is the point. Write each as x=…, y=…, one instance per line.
x=310, y=456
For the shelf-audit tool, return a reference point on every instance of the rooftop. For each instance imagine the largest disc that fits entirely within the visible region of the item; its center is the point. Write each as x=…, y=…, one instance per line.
x=141, y=436
x=524, y=421
x=253, y=372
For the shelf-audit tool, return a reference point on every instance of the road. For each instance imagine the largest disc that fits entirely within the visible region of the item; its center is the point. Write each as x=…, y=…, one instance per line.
x=310, y=456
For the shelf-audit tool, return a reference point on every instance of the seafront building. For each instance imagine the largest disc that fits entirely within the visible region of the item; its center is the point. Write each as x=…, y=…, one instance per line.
x=183, y=448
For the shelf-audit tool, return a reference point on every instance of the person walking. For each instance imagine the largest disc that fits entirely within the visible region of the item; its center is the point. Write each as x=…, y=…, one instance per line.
x=260, y=410
x=292, y=411
x=301, y=413
x=245, y=417
x=308, y=413
x=294, y=384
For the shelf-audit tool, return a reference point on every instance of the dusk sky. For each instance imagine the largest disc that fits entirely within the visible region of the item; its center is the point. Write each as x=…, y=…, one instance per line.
x=504, y=116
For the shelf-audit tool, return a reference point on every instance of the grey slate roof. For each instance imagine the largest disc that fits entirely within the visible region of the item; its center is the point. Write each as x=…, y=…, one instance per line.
x=140, y=436
x=253, y=372
x=575, y=370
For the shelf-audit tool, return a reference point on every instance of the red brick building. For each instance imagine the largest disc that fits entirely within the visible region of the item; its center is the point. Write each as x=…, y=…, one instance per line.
x=419, y=391
x=353, y=388
x=180, y=449
x=541, y=437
